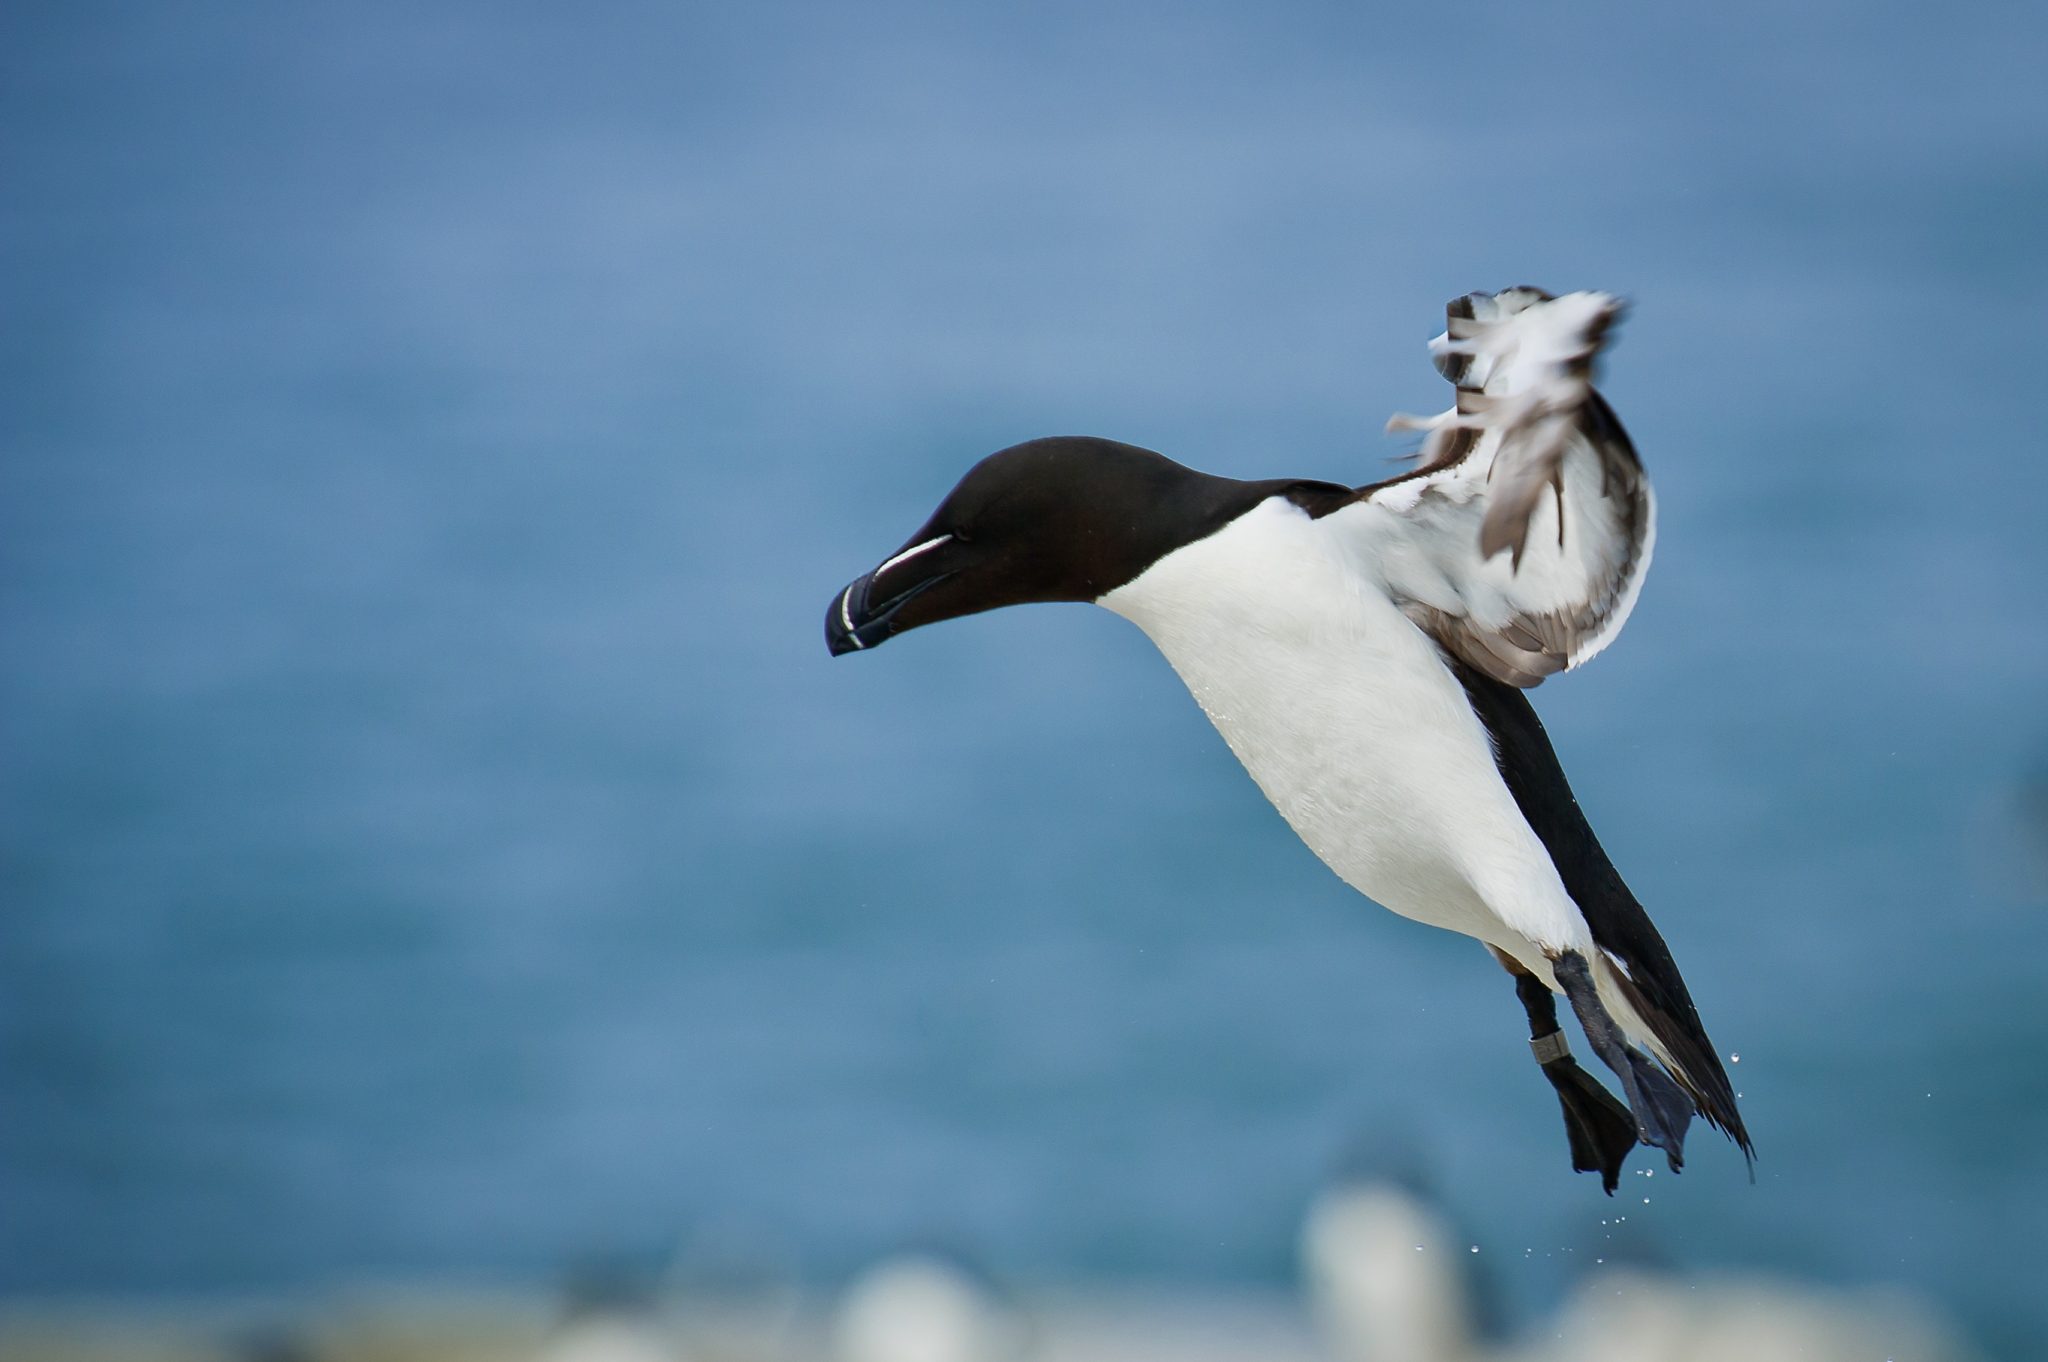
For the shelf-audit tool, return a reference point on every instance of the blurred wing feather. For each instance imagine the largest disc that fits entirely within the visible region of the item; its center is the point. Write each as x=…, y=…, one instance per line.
x=1520, y=539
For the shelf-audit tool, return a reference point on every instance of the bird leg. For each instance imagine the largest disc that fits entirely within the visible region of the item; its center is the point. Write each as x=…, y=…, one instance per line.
x=1662, y=1110
x=1600, y=1129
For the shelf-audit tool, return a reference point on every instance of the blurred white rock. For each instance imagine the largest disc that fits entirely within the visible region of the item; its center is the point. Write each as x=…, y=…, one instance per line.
x=1385, y=1278
x=923, y=1309
x=1632, y=1316
x=612, y=1338
x=1388, y=1281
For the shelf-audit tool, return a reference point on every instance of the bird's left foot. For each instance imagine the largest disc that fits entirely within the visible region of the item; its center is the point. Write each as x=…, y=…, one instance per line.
x=1660, y=1108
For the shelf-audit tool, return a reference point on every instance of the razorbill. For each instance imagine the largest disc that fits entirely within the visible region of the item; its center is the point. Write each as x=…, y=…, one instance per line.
x=1363, y=651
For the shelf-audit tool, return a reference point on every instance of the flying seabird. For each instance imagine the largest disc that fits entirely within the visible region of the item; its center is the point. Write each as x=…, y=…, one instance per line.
x=1364, y=651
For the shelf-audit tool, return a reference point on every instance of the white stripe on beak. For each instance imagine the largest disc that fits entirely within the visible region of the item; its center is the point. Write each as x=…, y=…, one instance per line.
x=846, y=615
x=907, y=555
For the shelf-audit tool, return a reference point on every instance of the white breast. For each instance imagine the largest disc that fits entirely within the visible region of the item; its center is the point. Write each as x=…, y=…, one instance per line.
x=1346, y=716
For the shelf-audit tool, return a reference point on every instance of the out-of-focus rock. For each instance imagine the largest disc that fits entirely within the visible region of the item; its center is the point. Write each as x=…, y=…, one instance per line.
x=921, y=1309
x=1385, y=1278
x=1642, y=1317
x=611, y=1338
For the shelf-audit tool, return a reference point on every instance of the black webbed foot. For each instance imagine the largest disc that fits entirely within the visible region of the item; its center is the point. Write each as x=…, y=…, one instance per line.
x=1660, y=1108
x=1600, y=1129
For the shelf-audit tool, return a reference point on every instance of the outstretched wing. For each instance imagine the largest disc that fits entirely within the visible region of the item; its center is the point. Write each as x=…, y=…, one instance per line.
x=1520, y=539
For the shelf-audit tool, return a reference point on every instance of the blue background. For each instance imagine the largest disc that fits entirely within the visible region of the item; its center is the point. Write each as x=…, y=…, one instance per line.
x=436, y=841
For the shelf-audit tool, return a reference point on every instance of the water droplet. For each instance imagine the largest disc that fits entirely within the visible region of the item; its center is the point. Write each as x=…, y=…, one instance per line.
x=1646, y=1201
x=1475, y=1248
x=1734, y=1059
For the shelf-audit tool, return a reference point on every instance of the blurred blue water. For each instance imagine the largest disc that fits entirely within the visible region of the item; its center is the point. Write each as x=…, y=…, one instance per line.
x=436, y=841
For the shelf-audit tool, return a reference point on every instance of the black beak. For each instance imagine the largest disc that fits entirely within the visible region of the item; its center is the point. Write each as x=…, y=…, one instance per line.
x=857, y=620
x=849, y=616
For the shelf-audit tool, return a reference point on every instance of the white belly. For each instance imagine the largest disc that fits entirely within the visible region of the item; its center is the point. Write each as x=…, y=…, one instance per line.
x=1347, y=718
